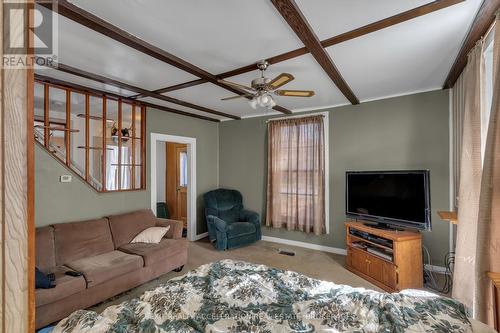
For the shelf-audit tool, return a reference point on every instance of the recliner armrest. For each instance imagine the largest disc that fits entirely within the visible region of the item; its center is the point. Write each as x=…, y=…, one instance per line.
x=175, y=230
x=249, y=216
x=219, y=224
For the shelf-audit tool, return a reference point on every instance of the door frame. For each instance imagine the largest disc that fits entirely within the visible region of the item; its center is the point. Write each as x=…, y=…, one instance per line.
x=191, y=188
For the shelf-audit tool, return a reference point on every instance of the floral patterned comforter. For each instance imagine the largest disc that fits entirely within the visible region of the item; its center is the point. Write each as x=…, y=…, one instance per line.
x=236, y=296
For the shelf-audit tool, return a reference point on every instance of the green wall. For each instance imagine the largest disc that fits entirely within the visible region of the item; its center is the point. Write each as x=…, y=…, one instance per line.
x=63, y=202
x=409, y=132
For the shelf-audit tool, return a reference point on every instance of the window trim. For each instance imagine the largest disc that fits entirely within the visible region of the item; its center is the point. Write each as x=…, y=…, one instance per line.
x=326, y=124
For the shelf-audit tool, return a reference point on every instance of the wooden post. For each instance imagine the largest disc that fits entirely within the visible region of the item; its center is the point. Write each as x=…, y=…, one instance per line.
x=16, y=187
x=67, y=134
x=87, y=138
x=104, y=143
x=133, y=135
x=119, y=137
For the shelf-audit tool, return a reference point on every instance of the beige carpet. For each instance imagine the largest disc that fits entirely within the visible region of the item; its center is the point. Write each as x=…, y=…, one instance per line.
x=317, y=264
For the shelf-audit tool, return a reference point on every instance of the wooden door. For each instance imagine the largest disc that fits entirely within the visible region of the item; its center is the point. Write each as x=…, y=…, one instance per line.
x=176, y=178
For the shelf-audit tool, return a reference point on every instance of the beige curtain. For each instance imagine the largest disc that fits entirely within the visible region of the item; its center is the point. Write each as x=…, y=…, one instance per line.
x=465, y=272
x=488, y=241
x=478, y=238
x=296, y=174
x=458, y=102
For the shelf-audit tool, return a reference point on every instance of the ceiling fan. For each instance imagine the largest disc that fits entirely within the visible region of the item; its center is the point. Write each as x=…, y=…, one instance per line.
x=262, y=88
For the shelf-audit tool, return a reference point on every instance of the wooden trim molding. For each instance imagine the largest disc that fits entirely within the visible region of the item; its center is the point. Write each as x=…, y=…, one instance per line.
x=17, y=287
x=483, y=20
x=355, y=33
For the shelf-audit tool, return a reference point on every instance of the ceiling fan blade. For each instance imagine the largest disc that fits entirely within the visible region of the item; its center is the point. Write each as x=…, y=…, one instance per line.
x=239, y=86
x=295, y=93
x=280, y=80
x=234, y=97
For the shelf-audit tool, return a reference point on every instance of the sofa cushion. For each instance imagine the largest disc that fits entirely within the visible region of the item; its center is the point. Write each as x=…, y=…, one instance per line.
x=44, y=248
x=78, y=240
x=237, y=229
x=65, y=286
x=153, y=253
x=125, y=227
x=106, y=266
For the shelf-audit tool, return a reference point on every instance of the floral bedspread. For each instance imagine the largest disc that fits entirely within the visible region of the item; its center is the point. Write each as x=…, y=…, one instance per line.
x=236, y=296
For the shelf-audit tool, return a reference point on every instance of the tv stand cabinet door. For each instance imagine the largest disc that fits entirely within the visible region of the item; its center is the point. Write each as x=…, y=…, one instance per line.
x=359, y=260
x=382, y=271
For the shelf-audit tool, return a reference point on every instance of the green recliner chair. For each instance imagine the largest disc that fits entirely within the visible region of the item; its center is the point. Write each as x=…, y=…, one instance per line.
x=229, y=225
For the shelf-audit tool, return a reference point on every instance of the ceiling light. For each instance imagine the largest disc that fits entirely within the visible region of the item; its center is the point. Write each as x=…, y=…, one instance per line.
x=253, y=103
x=263, y=100
x=267, y=101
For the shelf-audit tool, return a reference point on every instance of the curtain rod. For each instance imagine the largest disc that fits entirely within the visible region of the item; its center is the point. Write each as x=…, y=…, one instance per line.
x=298, y=116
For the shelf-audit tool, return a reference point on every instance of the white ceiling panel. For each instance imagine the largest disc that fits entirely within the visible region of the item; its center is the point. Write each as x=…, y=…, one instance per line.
x=308, y=76
x=216, y=35
x=86, y=49
x=180, y=108
x=329, y=18
x=53, y=73
x=410, y=57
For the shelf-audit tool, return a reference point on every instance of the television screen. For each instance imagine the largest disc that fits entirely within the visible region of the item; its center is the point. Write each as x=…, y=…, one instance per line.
x=399, y=198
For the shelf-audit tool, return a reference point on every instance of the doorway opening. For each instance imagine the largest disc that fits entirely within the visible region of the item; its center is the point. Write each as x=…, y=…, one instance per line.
x=173, y=180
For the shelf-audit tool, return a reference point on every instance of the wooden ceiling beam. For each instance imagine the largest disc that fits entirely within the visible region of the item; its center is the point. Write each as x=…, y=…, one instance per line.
x=297, y=21
x=352, y=34
x=99, y=78
x=483, y=20
x=97, y=24
x=63, y=83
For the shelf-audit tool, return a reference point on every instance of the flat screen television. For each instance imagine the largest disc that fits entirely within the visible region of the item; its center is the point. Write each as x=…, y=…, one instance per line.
x=390, y=198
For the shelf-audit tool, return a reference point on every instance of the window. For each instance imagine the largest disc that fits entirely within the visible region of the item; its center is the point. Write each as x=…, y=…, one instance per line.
x=297, y=174
x=183, y=169
x=488, y=75
x=100, y=138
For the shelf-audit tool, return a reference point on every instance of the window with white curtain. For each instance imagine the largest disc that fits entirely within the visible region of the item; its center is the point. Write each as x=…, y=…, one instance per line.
x=488, y=75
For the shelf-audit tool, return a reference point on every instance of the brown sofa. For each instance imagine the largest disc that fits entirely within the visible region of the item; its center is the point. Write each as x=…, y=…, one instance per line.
x=101, y=250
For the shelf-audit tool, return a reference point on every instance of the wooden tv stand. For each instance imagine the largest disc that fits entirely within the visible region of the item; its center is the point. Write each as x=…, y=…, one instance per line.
x=403, y=268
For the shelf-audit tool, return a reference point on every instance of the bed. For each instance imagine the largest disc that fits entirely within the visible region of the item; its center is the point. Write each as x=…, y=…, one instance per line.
x=237, y=296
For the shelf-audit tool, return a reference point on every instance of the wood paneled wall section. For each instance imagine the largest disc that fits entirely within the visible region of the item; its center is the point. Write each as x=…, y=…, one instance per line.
x=16, y=201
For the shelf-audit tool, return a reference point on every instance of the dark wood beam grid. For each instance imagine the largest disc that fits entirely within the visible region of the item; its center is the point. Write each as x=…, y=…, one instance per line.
x=97, y=24
x=352, y=34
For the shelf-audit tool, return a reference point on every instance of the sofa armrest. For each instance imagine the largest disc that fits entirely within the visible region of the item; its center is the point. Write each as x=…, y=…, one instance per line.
x=175, y=230
x=218, y=223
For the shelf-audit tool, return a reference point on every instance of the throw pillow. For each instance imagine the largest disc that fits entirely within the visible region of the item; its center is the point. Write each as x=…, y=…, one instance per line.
x=151, y=235
x=42, y=281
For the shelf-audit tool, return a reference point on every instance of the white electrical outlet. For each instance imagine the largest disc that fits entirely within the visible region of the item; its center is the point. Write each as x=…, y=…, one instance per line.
x=65, y=179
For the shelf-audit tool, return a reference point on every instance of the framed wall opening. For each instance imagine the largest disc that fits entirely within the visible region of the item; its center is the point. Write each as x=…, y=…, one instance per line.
x=190, y=160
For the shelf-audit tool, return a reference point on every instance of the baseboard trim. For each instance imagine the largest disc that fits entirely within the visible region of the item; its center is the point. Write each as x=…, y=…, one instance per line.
x=200, y=236
x=310, y=246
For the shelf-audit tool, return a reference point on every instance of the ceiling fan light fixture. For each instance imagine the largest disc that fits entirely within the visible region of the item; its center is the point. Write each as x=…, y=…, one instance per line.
x=253, y=103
